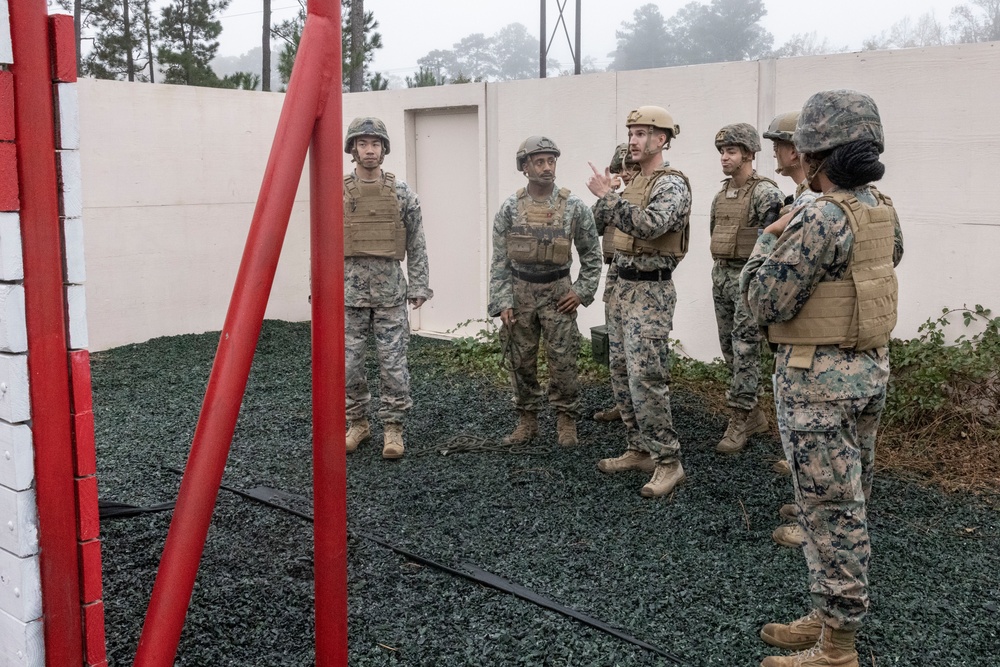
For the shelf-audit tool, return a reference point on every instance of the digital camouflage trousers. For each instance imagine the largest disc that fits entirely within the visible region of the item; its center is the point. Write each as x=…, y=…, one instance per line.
x=739, y=336
x=391, y=328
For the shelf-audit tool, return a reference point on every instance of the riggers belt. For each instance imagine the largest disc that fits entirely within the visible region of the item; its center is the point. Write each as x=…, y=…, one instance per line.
x=539, y=236
x=373, y=226
x=638, y=192
x=859, y=311
x=732, y=237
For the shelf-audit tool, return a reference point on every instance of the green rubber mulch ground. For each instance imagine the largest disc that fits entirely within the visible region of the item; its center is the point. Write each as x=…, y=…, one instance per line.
x=696, y=575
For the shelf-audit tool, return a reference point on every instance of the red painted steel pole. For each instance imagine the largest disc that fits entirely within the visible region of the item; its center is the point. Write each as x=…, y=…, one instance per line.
x=48, y=370
x=326, y=199
x=307, y=92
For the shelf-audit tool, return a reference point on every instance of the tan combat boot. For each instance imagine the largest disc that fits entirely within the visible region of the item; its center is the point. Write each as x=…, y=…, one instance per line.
x=393, y=446
x=789, y=535
x=525, y=431
x=799, y=635
x=632, y=459
x=834, y=648
x=742, y=424
x=612, y=414
x=566, y=431
x=358, y=432
x=781, y=467
x=789, y=512
x=665, y=477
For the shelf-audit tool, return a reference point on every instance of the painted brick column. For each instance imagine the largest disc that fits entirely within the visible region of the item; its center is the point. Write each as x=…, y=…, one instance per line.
x=51, y=608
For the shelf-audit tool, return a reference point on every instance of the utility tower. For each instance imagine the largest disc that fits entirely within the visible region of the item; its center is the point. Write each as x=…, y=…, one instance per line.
x=545, y=38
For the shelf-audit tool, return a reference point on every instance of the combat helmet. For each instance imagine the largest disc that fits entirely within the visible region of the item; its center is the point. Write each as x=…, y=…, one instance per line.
x=532, y=145
x=738, y=134
x=620, y=160
x=655, y=117
x=832, y=118
x=782, y=127
x=366, y=127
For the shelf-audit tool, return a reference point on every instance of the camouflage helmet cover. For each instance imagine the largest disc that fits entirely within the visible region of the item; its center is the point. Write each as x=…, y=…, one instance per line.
x=532, y=145
x=832, y=118
x=621, y=159
x=366, y=127
x=782, y=127
x=738, y=134
x=655, y=117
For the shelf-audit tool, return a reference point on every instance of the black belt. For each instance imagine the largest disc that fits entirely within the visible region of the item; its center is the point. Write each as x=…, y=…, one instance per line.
x=632, y=274
x=541, y=278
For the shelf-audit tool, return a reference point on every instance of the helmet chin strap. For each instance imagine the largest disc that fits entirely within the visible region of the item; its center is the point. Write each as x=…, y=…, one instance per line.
x=813, y=172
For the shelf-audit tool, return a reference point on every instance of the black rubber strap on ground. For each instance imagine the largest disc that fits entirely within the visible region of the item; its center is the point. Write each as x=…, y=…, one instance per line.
x=268, y=496
x=112, y=509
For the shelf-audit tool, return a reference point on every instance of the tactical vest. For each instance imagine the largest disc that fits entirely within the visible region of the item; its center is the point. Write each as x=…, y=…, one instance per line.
x=373, y=226
x=538, y=236
x=638, y=192
x=732, y=238
x=859, y=311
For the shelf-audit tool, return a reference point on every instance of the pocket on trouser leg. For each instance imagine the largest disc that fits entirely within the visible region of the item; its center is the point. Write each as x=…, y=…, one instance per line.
x=825, y=456
x=653, y=359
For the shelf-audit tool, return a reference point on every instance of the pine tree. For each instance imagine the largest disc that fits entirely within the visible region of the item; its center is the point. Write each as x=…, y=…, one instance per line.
x=290, y=31
x=121, y=47
x=189, y=32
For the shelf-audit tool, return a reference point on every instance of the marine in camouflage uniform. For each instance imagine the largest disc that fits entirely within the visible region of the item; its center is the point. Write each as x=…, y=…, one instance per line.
x=622, y=169
x=811, y=271
x=375, y=289
x=651, y=223
x=531, y=289
x=787, y=163
x=746, y=204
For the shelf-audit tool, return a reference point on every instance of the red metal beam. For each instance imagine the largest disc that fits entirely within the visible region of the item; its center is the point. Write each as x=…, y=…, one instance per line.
x=326, y=186
x=308, y=92
x=45, y=313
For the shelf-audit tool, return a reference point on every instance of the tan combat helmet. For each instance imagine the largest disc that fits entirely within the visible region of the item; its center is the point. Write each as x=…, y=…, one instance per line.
x=782, y=127
x=655, y=117
x=738, y=134
x=366, y=127
x=533, y=145
x=832, y=118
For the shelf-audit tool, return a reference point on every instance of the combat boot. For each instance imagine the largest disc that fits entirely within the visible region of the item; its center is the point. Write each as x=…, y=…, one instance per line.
x=612, y=414
x=566, y=431
x=834, y=648
x=781, y=467
x=525, y=431
x=742, y=424
x=632, y=459
x=789, y=512
x=665, y=477
x=393, y=446
x=799, y=635
x=358, y=432
x=789, y=535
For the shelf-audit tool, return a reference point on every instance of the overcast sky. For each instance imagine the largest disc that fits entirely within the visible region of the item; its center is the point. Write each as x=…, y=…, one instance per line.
x=412, y=28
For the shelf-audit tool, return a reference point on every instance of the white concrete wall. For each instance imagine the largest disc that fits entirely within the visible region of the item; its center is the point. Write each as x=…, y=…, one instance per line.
x=168, y=205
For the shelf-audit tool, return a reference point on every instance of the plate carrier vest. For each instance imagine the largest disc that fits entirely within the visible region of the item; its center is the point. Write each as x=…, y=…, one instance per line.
x=638, y=192
x=373, y=226
x=731, y=237
x=857, y=312
x=538, y=235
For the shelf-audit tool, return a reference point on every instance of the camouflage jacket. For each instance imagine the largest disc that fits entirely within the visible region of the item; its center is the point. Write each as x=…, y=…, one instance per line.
x=588, y=246
x=763, y=197
x=669, y=204
x=780, y=276
x=379, y=282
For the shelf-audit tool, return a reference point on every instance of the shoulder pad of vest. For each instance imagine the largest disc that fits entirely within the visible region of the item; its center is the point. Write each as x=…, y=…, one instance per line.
x=564, y=193
x=521, y=192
